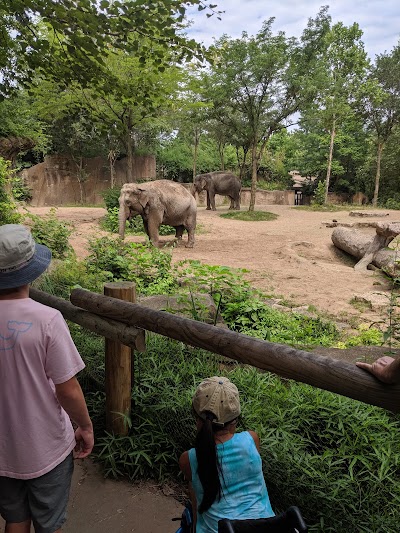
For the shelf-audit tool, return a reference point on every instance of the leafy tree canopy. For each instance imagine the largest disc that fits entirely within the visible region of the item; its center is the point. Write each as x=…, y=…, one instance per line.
x=83, y=31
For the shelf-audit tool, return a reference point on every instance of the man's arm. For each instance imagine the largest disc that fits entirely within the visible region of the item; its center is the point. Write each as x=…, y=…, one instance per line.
x=71, y=399
x=386, y=368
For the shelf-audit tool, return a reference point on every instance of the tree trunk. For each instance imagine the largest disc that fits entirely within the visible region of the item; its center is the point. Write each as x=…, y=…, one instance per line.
x=129, y=145
x=378, y=173
x=195, y=151
x=254, y=162
x=112, y=157
x=328, y=170
x=370, y=249
x=221, y=151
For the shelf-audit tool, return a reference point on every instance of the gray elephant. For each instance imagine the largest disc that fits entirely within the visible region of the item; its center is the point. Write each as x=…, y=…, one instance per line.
x=224, y=183
x=158, y=202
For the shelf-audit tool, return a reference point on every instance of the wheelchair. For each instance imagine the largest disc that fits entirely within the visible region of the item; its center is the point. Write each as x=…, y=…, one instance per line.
x=291, y=521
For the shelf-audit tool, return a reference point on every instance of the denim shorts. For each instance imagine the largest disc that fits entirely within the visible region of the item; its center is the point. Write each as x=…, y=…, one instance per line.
x=43, y=499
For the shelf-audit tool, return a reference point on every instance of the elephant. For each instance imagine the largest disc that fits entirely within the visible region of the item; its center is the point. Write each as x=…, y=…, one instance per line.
x=158, y=202
x=224, y=183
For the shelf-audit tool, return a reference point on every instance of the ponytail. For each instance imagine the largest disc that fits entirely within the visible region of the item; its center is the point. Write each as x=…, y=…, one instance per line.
x=208, y=464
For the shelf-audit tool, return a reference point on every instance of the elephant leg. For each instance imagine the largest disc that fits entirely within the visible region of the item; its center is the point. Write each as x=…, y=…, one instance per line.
x=146, y=227
x=212, y=202
x=190, y=242
x=152, y=227
x=208, y=202
x=232, y=206
x=179, y=232
x=237, y=204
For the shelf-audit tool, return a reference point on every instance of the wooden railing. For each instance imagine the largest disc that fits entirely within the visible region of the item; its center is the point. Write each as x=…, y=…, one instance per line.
x=119, y=319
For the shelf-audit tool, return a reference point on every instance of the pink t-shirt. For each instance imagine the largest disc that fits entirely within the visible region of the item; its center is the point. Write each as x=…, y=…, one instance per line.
x=36, y=352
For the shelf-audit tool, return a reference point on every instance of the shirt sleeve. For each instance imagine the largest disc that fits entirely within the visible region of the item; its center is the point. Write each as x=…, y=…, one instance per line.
x=62, y=358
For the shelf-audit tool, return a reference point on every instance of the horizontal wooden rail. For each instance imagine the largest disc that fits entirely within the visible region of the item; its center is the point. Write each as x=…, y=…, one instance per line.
x=326, y=373
x=111, y=329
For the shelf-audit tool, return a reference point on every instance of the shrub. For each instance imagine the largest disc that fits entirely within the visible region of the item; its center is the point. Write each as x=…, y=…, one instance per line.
x=318, y=197
x=111, y=197
x=145, y=265
x=50, y=231
x=8, y=208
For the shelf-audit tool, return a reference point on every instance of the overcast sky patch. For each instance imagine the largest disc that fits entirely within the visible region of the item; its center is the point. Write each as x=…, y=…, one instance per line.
x=378, y=19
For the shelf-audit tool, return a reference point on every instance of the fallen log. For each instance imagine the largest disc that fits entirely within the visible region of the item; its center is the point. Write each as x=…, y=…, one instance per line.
x=326, y=373
x=370, y=249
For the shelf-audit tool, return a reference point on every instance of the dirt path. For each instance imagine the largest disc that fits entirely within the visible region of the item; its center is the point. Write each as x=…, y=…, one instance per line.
x=291, y=257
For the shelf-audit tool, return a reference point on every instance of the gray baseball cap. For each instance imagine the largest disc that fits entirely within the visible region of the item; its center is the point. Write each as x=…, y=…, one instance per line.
x=21, y=259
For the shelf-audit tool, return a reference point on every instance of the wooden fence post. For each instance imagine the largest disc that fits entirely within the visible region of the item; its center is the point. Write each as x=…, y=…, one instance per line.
x=118, y=364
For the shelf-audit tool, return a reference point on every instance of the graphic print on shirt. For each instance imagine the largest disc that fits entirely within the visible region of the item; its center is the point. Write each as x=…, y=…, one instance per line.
x=8, y=341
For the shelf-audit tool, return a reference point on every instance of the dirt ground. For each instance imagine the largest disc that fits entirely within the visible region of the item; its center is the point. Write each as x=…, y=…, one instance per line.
x=292, y=257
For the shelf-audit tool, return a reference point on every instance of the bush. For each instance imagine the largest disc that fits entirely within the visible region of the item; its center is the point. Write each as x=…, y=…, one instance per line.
x=8, y=208
x=111, y=197
x=318, y=197
x=48, y=230
x=145, y=265
x=20, y=191
x=392, y=203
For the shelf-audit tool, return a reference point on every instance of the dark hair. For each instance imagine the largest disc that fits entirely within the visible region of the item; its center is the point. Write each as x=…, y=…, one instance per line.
x=208, y=464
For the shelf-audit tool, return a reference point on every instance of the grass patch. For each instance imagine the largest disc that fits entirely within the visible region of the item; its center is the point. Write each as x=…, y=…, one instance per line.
x=250, y=215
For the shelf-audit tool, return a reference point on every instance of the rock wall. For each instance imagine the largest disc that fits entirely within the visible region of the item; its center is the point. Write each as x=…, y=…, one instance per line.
x=262, y=197
x=54, y=182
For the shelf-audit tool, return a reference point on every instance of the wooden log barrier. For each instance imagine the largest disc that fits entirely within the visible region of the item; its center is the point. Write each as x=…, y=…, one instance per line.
x=118, y=367
x=326, y=373
x=111, y=329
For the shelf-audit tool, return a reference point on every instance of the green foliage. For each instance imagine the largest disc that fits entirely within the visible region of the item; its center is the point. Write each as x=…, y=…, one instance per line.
x=48, y=230
x=257, y=319
x=367, y=336
x=68, y=274
x=145, y=265
x=20, y=191
x=216, y=280
x=8, y=212
x=393, y=203
x=111, y=198
x=250, y=215
x=63, y=47
x=319, y=194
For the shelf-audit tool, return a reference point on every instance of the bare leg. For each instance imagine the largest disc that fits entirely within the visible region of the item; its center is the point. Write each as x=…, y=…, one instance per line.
x=18, y=527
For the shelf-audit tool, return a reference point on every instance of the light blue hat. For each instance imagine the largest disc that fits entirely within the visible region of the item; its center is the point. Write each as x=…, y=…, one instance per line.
x=21, y=259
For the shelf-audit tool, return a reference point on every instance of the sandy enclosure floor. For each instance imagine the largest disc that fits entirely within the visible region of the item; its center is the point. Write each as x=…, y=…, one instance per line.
x=291, y=257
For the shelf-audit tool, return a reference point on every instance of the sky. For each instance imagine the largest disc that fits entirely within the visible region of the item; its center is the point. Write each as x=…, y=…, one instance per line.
x=378, y=19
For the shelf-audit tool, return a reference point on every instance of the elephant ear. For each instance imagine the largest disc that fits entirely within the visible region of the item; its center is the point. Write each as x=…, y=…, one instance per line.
x=203, y=182
x=143, y=197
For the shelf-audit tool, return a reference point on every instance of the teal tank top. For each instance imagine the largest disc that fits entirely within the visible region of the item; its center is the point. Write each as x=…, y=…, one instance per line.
x=245, y=494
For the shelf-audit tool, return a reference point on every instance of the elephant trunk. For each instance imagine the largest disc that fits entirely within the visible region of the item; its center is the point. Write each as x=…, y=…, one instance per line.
x=122, y=217
x=193, y=190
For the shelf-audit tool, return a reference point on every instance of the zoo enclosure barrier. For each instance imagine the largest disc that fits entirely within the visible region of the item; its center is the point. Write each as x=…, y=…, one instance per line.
x=123, y=323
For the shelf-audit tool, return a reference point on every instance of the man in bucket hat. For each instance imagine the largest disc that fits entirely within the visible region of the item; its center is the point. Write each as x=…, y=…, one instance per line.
x=39, y=394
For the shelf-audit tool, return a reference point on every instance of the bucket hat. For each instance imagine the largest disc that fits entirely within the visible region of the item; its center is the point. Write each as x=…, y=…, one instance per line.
x=21, y=259
x=219, y=396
